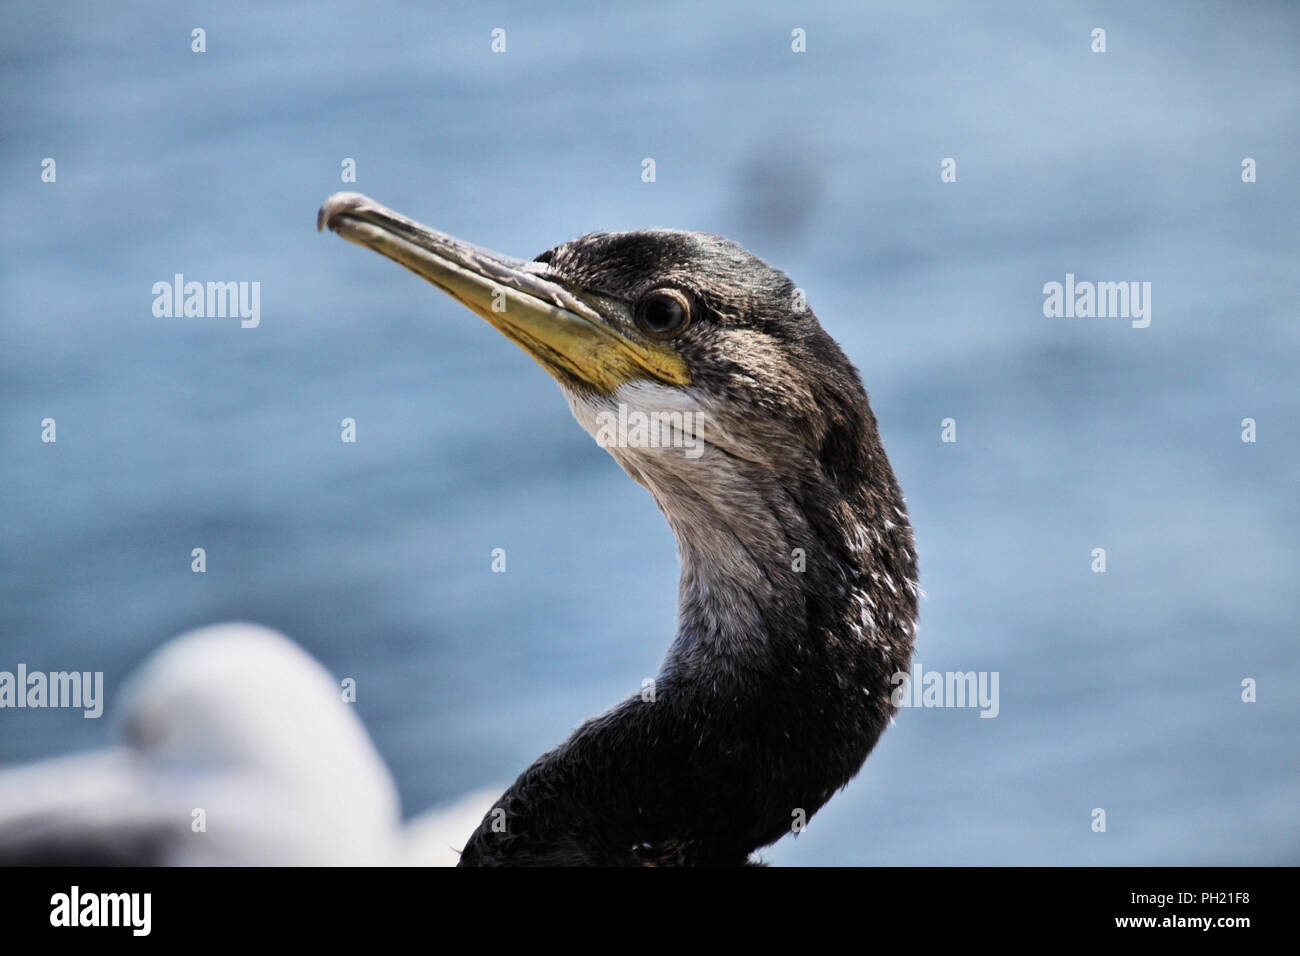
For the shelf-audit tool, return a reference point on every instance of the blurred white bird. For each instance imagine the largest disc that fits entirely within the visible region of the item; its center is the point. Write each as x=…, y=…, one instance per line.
x=239, y=750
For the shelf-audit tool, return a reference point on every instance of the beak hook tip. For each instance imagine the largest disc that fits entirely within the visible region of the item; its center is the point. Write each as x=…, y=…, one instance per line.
x=337, y=204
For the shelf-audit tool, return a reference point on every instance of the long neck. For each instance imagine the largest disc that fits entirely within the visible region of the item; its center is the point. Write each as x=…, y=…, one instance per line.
x=797, y=605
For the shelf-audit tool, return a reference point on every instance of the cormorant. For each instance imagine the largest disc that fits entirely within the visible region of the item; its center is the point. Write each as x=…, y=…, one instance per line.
x=798, y=594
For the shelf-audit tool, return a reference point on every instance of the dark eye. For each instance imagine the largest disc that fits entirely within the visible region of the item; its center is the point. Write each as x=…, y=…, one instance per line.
x=663, y=313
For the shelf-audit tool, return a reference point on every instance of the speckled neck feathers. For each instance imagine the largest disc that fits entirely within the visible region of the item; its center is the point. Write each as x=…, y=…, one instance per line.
x=797, y=604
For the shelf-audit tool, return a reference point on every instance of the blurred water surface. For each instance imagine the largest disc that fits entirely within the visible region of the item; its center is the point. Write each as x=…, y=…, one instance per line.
x=1118, y=691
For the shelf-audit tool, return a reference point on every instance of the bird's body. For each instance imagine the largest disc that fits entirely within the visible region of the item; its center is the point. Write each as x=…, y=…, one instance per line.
x=237, y=749
x=798, y=594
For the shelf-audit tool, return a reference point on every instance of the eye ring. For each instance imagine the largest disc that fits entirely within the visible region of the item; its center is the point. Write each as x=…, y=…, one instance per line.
x=663, y=313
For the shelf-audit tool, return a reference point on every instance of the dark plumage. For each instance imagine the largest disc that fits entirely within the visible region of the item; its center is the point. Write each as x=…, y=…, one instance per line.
x=798, y=593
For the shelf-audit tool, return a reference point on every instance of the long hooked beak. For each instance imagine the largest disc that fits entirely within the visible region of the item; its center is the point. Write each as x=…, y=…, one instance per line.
x=569, y=338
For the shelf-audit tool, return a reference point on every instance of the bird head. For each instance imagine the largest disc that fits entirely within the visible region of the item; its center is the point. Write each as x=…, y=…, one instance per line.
x=702, y=371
